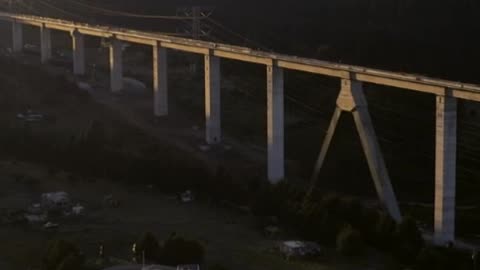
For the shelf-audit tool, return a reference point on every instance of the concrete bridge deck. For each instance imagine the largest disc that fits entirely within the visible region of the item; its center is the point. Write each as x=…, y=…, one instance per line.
x=244, y=54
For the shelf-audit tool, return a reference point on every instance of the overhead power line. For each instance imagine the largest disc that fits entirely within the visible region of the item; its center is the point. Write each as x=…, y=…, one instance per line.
x=56, y=8
x=111, y=12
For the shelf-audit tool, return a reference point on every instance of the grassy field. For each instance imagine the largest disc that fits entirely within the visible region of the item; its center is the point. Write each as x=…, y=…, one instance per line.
x=230, y=239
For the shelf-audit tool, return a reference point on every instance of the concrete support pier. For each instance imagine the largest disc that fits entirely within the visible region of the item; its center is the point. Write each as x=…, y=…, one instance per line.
x=17, y=37
x=445, y=165
x=212, y=99
x=275, y=124
x=160, y=81
x=45, y=44
x=78, y=53
x=352, y=99
x=116, y=69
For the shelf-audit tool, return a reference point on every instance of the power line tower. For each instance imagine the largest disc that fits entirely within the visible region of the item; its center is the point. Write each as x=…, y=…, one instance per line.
x=193, y=25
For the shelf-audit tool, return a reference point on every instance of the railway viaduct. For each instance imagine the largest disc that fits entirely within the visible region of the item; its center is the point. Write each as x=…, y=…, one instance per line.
x=350, y=100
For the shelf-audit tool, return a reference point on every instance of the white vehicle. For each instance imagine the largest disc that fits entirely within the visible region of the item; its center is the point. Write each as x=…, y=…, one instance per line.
x=299, y=249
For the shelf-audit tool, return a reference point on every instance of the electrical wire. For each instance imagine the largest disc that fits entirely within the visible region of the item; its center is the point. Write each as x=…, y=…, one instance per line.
x=49, y=5
x=110, y=12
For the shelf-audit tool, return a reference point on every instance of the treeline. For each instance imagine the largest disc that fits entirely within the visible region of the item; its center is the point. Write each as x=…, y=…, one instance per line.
x=175, y=250
x=351, y=227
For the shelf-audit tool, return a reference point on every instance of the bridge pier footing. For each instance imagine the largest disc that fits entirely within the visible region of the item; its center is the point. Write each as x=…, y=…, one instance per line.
x=160, y=81
x=212, y=100
x=45, y=44
x=275, y=124
x=445, y=166
x=78, y=46
x=116, y=69
x=17, y=37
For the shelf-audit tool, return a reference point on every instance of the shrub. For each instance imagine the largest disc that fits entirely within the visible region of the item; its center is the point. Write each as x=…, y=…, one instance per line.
x=429, y=258
x=318, y=224
x=384, y=231
x=437, y=258
x=350, y=242
x=62, y=255
x=408, y=240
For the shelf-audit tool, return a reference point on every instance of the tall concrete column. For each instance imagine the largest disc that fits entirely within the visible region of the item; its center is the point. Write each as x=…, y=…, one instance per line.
x=78, y=53
x=45, y=44
x=160, y=81
x=445, y=166
x=17, y=37
x=212, y=99
x=116, y=69
x=275, y=124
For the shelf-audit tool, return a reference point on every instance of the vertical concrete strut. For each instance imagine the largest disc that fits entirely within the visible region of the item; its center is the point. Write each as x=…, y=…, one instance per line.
x=116, y=69
x=212, y=100
x=275, y=124
x=160, y=81
x=45, y=44
x=17, y=37
x=78, y=53
x=445, y=166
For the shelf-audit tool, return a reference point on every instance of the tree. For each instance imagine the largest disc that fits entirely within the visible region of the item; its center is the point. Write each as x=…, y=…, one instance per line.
x=178, y=250
x=72, y=262
x=62, y=255
x=147, y=247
